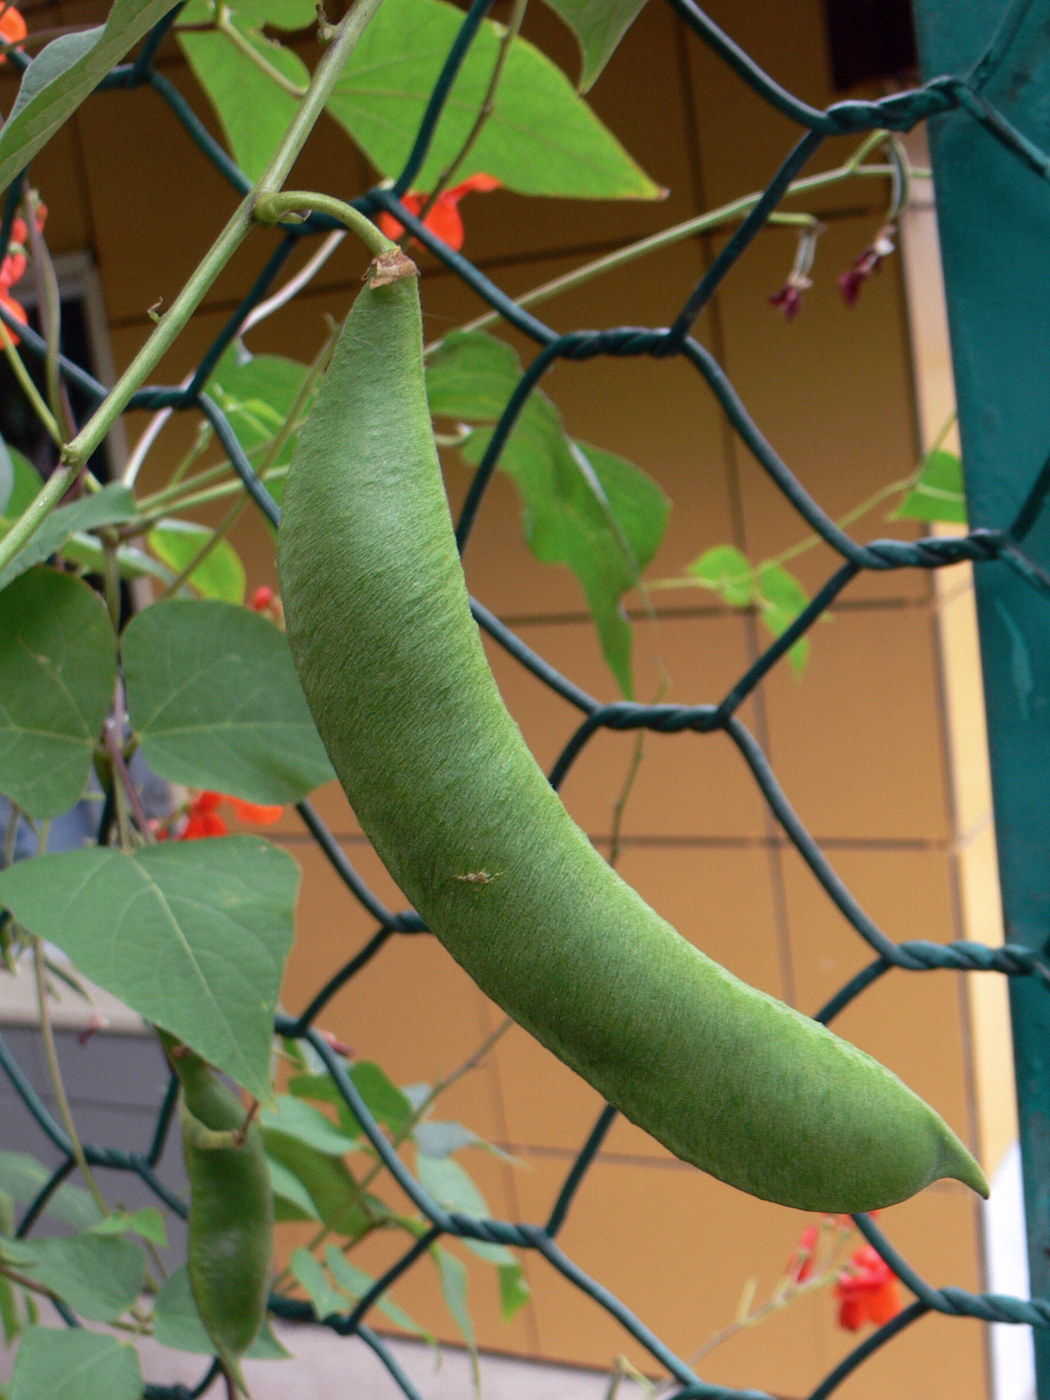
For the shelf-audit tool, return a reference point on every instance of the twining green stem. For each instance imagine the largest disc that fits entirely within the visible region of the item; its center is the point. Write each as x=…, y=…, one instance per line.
x=173, y=322
x=488, y=105
x=270, y=208
x=177, y=488
x=34, y=515
x=51, y=1054
x=240, y=41
x=30, y=390
x=702, y=223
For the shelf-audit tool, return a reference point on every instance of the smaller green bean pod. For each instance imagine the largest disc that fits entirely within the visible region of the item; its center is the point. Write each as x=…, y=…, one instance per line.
x=231, y=1209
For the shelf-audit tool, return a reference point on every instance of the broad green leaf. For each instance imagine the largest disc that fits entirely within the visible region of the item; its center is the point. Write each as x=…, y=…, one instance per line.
x=146, y=1222
x=514, y=1290
x=542, y=139
x=87, y=553
x=23, y=1176
x=599, y=25
x=939, y=493
x=471, y=375
x=10, y=1313
x=291, y=1198
x=725, y=570
x=177, y=1323
x=58, y=668
x=215, y=702
x=294, y=1117
x=110, y=506
x=289, y=15
x=388, y=1104
x=257, y=394
x=326, y=1300
x=75, y=1362
x=780, y=598
x=322, y=1088
x=99, y=1276
x=253, y=109
x=220, y=575
x=26, y=482
x=442, y=1139
x=63, y=73
x=454, y=1289
x=193, y=935
x=334, y=1192
x=445, y=1180
x=356, y=1283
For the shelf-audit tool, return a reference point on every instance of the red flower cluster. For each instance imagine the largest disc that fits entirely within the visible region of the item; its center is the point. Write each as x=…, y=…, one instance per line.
x=13, y=266
x=264, y=600
x=204, y=819
x=868, y=1290
x=444, y=219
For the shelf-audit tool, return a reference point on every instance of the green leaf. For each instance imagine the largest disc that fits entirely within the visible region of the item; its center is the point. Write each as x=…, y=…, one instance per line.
x=780, y=598
x=252, y=108
x=329, y=1184
x=25, y=485
x=726, y=571
x=454, y=1289
x=514, y=1291
x=326, y=1300
x=99, y=1276
x=293, y=1117
x=193, y=935
x=58, y=667
x=23, y=1176
x=63, y=73
x=542, y=139
x=939, y=493
x=257, y=394
x=599, y=25
x=384, y=1100
x=74, y=1362
x=177, y=1323
x=87, y=553
x=355, y=1283
x=10, y=1314
x=278, y=14
x=471, y=375
x=445, y=1180
x=110, y=506
x=442, y=1139
x=146, y=1222
x=291, y=1198
x=215, y=702
x=221, y=574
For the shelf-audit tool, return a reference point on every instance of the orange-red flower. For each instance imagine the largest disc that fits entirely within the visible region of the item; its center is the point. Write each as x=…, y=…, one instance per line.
x=800, y=1265
x=12, y=29
x=444, y=219
x=13, y=265
x=204, y=818
x=868, y=1290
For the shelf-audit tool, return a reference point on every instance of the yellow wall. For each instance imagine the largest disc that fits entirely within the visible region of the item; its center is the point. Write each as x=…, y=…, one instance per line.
x=860, y=743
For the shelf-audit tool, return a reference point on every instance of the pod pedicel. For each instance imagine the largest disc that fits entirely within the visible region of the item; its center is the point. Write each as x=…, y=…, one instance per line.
x=230, y=1248
x=392, y=665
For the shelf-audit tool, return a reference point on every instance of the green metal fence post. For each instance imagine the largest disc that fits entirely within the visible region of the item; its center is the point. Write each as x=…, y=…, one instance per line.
x=995, y=233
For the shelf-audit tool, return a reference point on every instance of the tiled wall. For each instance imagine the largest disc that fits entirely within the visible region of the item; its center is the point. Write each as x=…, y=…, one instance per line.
x=860, y=742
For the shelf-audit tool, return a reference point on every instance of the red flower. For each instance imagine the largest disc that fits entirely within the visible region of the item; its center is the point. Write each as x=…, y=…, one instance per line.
x=204, y=819
x=12, y=29
x=865, y=265
x=444, y=218
x=13, y=266
x=789, y=298
x=868, y=1290
x=264, y=600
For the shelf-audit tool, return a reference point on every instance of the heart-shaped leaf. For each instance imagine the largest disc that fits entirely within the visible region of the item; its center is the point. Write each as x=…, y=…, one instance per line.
x=58, y=667
x=99, y=1276
x=74, y=1361
x=215, y=702
x=193, y=935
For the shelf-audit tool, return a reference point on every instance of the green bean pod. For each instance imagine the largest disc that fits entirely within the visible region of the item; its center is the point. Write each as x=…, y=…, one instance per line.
x=439, y=775
x=230, y=1251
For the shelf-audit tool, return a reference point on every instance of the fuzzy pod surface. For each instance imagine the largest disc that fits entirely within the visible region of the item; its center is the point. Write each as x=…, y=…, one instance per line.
x=444, y=785
x=230, y=1249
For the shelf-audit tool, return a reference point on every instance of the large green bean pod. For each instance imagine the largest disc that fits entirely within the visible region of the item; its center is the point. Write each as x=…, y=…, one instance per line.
x=441, y=780
x=230, y=1247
